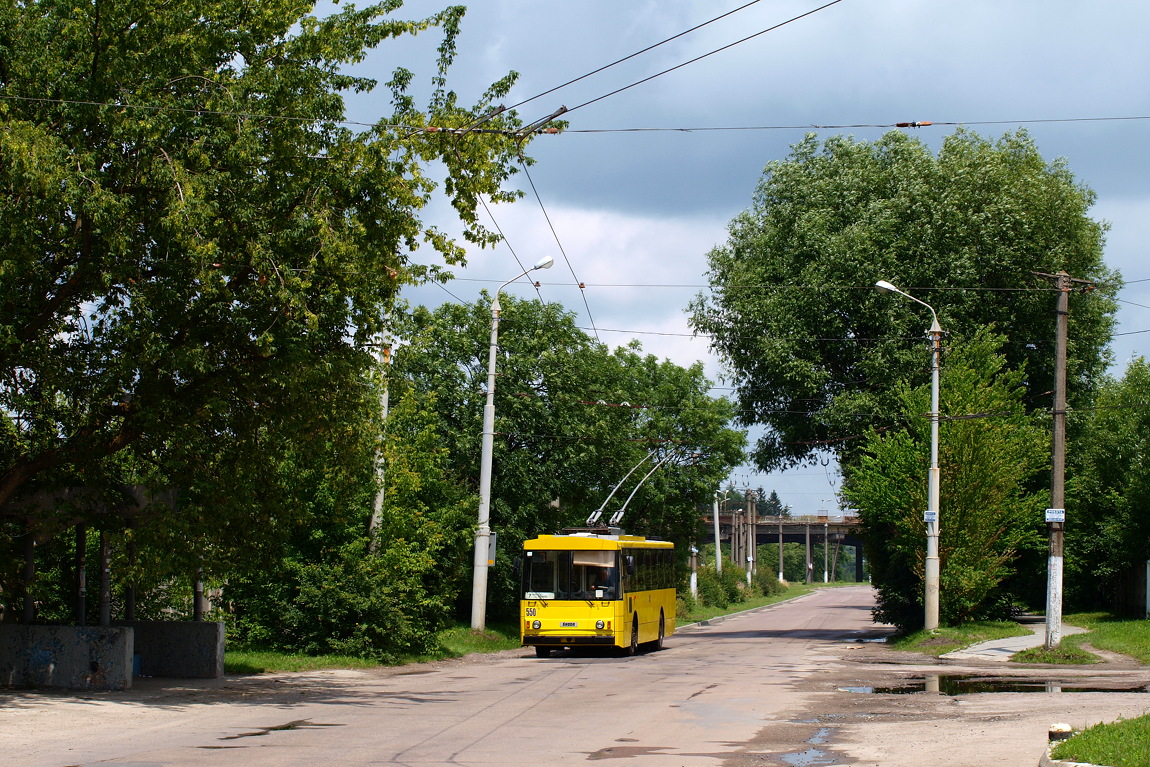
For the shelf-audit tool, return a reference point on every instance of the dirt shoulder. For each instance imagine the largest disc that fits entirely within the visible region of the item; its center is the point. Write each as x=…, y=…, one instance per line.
x=878, y=706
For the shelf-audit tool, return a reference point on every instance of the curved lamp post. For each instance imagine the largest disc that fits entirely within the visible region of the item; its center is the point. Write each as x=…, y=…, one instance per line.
x=483, y=532
x=931, y=616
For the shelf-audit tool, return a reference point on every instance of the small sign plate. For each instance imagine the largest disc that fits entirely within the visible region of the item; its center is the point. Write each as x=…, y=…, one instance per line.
x=1056, y=515
x=930, y=516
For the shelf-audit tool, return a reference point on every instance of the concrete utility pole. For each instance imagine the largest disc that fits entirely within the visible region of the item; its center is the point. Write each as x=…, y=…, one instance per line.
x=781, y=580
x=387, y=343
x=718, y=545
x=750, y=536
x=826, y=540
x=810, y=565
x=1056, y=514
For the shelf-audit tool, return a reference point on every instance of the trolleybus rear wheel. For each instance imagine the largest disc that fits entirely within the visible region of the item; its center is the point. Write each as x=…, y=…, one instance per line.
x=658, y=643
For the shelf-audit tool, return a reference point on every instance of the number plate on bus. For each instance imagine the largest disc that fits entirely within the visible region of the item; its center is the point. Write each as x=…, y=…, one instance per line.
x=569, y=625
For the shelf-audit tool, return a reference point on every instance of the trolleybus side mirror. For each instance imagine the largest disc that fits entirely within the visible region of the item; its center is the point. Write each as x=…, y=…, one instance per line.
x=517, y=566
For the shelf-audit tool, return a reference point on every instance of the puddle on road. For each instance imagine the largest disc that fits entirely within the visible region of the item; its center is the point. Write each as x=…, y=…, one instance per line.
x=812, y=756
x=806, y=758
x=967, y=684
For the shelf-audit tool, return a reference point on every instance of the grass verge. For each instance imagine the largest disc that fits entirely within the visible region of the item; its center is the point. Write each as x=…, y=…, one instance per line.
x=454, y=642
x=460, y=640
x=265, y=661
x=1129, y=637
x=949, y=638
x=701, y=612
x=1069, y=653
x=1125, y=743
x=1105, y=632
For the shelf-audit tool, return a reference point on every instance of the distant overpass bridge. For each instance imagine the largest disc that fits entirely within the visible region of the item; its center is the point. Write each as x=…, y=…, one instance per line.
x=835, y=530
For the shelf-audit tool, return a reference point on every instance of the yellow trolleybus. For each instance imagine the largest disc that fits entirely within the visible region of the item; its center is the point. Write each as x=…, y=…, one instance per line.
x=593, y=589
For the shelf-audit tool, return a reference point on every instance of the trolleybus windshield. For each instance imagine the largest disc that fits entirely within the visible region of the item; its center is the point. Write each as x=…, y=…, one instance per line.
x=579, y=574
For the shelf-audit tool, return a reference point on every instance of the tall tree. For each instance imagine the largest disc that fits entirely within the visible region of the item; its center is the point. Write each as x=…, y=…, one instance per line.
x=773, y=506
x=990, y=450
x=818, y=351
x=572, y=418
x=198, y=249
x=1108, y=527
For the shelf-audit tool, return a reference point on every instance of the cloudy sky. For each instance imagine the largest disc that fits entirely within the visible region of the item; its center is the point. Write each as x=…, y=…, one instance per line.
x=635, y=212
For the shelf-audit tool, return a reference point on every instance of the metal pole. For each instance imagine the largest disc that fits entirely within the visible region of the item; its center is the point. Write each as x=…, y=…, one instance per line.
x=826, y=547
x=751, y=541
x=1057, y=470
x=809, y=565
x=932, y=526
x=781, y=548
x=718, y=546
x=930, y=613
x=694, y=572
x=483, y=530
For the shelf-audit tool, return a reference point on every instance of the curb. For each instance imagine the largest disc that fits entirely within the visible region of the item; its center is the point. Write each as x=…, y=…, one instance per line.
x=1047, y=761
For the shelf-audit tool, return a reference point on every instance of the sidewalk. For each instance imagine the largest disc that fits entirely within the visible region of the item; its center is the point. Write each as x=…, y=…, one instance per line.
x=1003, y=649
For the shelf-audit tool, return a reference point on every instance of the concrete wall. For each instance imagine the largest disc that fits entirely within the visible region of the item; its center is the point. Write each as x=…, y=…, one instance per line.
x=72, y=657
x=184, y=649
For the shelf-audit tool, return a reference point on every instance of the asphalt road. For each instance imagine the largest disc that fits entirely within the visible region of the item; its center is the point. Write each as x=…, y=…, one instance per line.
x=784, y=685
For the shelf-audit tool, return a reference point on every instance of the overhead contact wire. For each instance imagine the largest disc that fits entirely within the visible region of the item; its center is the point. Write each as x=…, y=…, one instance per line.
x=582, y=288
x=705, y=55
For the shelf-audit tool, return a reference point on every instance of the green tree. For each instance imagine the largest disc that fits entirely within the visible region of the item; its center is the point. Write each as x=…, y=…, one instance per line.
x=773, y=506
x=572, y=419
x=338, y=590
x=817, y=351
x=1108, y=527
x=989, y=450
x=198, y=250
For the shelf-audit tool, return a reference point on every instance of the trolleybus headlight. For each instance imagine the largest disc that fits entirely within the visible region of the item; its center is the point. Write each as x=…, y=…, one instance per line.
x=536, y=625
x=598, y=624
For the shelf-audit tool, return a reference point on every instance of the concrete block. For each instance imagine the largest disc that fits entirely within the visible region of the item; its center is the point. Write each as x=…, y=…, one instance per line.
x=182, y=649
x=69, y=657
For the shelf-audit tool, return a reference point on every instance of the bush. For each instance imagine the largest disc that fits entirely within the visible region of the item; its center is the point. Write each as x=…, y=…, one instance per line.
x=711, y=591
x=768, y=583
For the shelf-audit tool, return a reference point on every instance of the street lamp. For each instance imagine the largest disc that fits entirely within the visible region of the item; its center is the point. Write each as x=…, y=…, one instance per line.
x=483, y=532
x=931, y=616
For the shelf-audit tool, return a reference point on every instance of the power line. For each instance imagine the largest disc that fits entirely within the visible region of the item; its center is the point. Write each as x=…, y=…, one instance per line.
x=633, y=55
x=518, y=134
x=562, y=251
x=705, y=55
x=848, y=126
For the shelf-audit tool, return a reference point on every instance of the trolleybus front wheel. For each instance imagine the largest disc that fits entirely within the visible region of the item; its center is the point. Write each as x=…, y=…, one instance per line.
x=633, y=648
x=658, y=643
x=542, y=652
